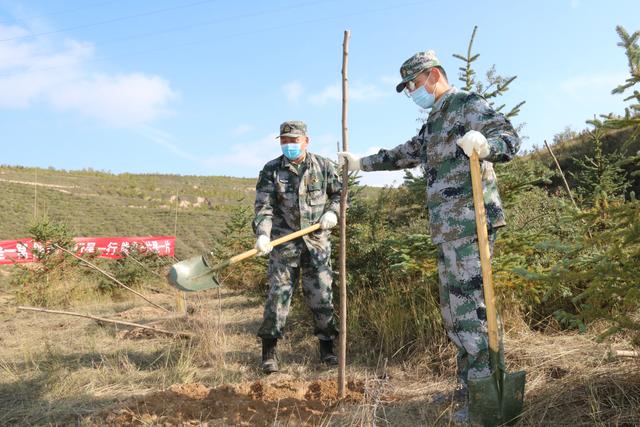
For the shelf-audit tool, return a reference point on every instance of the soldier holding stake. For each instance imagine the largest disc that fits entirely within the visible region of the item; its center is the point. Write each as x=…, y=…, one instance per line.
x=458, y=123
x=294, y=191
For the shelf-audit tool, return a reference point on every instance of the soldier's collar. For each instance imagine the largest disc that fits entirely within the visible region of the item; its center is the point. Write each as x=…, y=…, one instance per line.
x=289, y=164
x=440, y=102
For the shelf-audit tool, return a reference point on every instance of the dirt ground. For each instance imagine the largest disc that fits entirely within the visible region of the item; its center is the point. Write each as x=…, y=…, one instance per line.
x=57, y=370
x=261, y=403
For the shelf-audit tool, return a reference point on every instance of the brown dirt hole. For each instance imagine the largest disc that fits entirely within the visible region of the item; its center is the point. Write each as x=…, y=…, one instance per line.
x=291, y=402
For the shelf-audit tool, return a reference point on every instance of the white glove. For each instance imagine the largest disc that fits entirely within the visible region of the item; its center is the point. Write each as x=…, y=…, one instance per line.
x=328, y=220
x=474, y=140
x=263, y=245
x=353, y=162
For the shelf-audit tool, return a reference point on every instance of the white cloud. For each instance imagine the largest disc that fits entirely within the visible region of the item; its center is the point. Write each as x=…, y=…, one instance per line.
x=357, y=92
x=241, y=159
x=57, y=75
x=244, y=158
x=247, y=157
x=119, y=100
x=382, y=178
x=293, y=91
x=167, y=141
x=329, y=93
x=241, y=129
x=27, y=74
x=366, y=92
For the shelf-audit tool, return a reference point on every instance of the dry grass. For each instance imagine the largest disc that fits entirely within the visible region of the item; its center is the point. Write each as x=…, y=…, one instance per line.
x=573, y=381
x=59, y=370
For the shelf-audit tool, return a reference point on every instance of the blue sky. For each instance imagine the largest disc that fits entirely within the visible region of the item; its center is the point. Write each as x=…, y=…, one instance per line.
x=201, y=86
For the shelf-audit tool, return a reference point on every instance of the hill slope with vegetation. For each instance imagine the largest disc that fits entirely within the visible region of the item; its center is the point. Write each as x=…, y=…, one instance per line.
x=94, y=203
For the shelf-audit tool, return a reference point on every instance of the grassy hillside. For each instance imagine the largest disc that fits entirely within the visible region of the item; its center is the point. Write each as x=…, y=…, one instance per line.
x=625, y=141
x=95, y=203
x=99, y=204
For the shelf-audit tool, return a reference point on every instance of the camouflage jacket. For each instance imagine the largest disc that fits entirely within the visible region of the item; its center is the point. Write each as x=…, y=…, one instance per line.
x=449, y=195
x=289, y=199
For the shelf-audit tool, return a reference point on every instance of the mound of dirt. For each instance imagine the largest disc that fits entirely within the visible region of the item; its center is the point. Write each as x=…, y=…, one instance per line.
x=142, y=312
x=139, y=334
x=289, y=402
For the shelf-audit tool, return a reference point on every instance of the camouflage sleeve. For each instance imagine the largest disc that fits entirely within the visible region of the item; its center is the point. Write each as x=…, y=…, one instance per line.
x=265, y=199
x=503, y=140
x=334, y=188
x=404, y=156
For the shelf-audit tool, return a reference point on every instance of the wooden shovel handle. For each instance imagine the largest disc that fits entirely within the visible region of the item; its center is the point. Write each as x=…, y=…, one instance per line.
x=274, y=243
x=300, y=233
x=485, y=254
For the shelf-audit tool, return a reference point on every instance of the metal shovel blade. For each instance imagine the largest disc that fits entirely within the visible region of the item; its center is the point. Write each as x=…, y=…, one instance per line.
x=193, y=274
x=497, y=399
x=199, y=273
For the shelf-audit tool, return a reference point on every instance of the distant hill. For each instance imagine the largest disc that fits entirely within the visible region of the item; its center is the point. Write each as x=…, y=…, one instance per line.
x=626, y=140
x=99, y=204
x=96, y=203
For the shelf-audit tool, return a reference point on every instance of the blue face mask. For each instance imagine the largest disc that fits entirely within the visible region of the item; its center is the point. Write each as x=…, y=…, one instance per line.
x=291, y=151
x=423, y=98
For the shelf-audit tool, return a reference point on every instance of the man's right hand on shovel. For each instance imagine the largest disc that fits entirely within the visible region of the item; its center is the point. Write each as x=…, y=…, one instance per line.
x=263, y=245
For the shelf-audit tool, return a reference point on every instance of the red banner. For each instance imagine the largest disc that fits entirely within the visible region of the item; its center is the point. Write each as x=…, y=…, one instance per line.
x=12, y=251
x=21, y=251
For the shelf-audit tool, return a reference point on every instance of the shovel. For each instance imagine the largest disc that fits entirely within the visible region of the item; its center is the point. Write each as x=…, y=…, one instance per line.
x=496, y=399
x=198, y=273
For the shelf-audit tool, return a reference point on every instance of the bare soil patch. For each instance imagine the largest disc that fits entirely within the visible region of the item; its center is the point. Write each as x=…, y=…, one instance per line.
x=260, y=403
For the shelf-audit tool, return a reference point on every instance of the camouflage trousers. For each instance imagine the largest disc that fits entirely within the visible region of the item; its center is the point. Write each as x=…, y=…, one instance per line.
x=286, y=265
x=462, y=305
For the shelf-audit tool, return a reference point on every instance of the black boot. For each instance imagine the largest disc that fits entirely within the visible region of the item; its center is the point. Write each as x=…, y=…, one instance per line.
x=269, y=355
x=326, y=353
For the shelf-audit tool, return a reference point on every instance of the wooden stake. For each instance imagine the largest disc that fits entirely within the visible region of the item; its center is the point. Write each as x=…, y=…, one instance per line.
x=35, y=197
x=625, y=353
x=566, y=184
x=342, y=363
x=95, y=267
x=181, y=297
x=102, y=319
x=181, y=302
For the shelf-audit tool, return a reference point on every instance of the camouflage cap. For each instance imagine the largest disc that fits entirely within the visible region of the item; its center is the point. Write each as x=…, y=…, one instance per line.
x=293, y=128
x=414, y=65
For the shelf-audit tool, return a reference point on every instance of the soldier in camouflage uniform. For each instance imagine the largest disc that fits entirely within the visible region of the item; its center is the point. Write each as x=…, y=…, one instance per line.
x=458, y=123
x=294, y=191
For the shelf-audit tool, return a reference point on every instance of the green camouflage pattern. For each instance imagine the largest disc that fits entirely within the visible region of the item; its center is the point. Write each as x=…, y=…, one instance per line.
x=446, y=166
x=416, y=64
x=289, y=198
x=285, y=268
x=463, y=307
x=293, y=128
